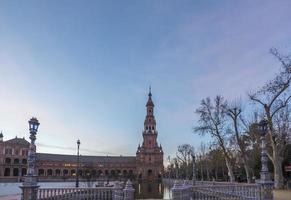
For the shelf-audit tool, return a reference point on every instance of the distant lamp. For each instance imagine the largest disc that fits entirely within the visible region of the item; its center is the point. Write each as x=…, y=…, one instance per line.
x=33, y=125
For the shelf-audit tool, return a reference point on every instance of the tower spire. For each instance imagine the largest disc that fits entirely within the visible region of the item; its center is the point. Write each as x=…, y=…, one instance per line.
x=150, y=101
x=150, y=91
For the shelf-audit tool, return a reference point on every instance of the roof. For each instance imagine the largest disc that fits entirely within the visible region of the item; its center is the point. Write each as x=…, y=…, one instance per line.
x=16, y=140
x=85, y=159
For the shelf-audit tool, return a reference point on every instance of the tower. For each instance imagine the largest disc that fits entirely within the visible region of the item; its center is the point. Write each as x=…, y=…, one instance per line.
x=149, y=155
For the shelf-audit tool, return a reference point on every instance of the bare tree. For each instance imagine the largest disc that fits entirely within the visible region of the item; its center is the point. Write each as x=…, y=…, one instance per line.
x=213, y=121
x=235, y=114
x=273, y=97
x=184, y=157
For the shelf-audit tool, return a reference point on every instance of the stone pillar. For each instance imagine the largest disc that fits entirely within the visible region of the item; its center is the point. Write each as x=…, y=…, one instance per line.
x=176, y=191
x=265, y=181
x=128, y=191
x=29, y=186
x=118, y=192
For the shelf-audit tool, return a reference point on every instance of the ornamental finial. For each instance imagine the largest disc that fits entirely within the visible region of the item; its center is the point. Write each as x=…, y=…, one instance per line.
x=150, y=91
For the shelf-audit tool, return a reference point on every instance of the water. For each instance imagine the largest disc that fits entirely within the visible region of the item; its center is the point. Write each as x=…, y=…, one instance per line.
x=152, y=190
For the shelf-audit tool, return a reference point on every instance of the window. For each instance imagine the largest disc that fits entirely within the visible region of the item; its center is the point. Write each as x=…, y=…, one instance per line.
x=7, y=160
x=16, y=152
x=24, y=152
x=8, y=151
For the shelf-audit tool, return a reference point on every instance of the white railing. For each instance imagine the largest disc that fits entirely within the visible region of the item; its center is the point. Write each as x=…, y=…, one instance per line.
x=116, y=192
x=75, y=193
x=236, y=191
x=183, y=190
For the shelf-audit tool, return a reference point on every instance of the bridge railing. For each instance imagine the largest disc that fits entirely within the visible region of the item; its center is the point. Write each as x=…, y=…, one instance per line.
x=116, y=192
x=183, y=190
x=75, y=193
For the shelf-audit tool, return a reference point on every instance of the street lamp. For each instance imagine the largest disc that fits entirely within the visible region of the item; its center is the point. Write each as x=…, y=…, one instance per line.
x=193, y=169
x=201, y=167
x=265, y=180
x=78, y=155
x=263, y=129
x=29, y=185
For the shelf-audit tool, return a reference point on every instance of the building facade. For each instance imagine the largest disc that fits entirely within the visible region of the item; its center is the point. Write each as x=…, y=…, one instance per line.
x=147, y=164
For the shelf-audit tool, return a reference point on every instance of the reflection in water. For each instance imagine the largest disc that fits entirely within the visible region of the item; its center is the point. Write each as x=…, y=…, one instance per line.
x=151, y=190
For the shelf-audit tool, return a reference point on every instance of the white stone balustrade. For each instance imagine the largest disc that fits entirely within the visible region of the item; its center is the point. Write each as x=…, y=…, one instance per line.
x=204, y=190
x=75, y=193
x=98, y=193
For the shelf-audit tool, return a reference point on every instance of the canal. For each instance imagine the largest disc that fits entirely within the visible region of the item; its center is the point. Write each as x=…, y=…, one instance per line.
x=152, y=190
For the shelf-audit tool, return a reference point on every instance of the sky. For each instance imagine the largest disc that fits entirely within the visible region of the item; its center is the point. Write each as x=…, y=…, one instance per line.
x=83, y=68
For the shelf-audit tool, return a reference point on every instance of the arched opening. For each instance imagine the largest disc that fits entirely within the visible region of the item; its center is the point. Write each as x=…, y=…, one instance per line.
x=58, y=172
x=150, y=173
x=24, y=161
x=23, y=171
x=73, y=172
x=65, y=172
x=49, y=172
x=15, y=172
x=140, y=176
x=124, y=173
x=41, y=172
x=7, y=160
x=87, y=172
x=130, y=174
x=94, y=173
x=106, y=173
x=16, y=161
x=100, y=173
x=112, y=173
x=7, y=172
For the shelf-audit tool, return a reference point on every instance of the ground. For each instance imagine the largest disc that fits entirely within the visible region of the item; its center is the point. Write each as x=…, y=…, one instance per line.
x=282, y=194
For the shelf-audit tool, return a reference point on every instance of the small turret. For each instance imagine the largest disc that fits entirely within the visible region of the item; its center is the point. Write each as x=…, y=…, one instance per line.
x=1, y=137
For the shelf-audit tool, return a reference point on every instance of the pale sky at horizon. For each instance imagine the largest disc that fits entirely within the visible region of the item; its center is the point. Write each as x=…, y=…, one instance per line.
x=83, y=68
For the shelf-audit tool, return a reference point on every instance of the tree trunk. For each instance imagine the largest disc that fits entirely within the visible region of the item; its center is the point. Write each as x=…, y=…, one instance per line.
x=247, y=173
x=207, y=172
x=278, y=172
x=229, y=169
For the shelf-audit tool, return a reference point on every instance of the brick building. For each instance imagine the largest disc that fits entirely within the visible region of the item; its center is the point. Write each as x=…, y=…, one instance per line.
x=147, y=164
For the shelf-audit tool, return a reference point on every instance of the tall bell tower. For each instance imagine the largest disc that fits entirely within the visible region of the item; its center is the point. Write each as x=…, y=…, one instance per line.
x=150, y=155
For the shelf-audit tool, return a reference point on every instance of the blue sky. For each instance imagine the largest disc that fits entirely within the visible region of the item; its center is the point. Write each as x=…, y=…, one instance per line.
x=83, y=68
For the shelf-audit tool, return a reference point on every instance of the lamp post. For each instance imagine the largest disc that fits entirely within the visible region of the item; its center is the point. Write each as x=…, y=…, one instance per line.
x=265, y=180
x=193, y=169
x=78, y=161
x=29, y=186
x=201, y=167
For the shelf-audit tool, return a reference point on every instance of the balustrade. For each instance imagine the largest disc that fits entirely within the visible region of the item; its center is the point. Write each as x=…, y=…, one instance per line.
x=75, y=193
x=183, y=190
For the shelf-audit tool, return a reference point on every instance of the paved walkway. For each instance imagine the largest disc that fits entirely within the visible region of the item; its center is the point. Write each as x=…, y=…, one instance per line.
x=11, y=197
x=282, y=194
